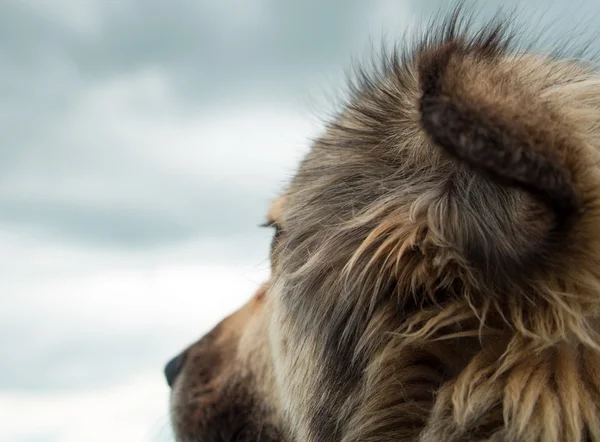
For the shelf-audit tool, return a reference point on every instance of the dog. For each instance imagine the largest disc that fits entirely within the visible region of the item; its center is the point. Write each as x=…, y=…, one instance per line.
x=435, y=264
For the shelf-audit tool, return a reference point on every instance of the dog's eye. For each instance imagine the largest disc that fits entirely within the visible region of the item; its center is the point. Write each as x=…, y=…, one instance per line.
x=271, y=224
x=276, y=235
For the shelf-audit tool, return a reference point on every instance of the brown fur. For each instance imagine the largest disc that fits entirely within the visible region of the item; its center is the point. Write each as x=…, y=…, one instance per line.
x=436, y=267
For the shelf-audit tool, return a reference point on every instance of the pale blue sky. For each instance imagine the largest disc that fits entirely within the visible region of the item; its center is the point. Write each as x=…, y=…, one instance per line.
x=142, y=142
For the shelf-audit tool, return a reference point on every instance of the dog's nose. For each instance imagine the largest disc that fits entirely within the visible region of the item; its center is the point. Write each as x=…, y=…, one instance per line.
x=173, y=368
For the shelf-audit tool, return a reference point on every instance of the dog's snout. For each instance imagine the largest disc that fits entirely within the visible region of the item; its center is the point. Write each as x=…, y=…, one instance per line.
x=173, y=368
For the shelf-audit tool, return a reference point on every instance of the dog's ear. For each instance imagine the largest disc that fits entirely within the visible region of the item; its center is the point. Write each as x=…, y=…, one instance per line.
x=513, y=196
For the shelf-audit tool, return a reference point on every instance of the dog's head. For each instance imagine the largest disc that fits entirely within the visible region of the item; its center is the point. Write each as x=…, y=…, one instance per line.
x=435, y=265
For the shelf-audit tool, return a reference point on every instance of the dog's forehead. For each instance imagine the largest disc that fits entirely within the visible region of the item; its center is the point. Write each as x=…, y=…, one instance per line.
x=274, y=214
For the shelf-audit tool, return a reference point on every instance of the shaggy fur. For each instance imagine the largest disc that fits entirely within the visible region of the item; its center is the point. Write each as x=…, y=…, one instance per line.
x=436, y=266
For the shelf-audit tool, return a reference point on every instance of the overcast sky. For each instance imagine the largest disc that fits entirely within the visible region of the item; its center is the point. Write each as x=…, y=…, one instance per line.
x=141, y=143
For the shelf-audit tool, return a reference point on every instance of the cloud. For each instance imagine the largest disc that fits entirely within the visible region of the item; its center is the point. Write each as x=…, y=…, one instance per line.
x=135, y=411
x=126, y=167
x=87, y=332
x=209, y=48
x=141, y=124
x=93, y=321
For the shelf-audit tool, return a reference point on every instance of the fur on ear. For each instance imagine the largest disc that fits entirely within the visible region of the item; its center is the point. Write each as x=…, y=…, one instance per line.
x=519, y=154
x=491, y=146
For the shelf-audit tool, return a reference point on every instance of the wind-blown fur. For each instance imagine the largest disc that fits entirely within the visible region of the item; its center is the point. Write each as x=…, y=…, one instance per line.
x=436, y=274
x=455, y=200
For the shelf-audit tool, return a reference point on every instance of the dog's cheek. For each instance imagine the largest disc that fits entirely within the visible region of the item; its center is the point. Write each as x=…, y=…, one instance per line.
x=256, y=359
x=297, y=374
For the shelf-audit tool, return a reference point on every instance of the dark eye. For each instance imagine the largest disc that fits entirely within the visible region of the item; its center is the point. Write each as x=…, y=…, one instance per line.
x=276, y=235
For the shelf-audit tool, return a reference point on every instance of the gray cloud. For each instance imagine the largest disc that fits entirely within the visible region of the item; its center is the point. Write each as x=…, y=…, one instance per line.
x=87, y=330
x=85, y=359
x=209, y=48
x=207, y=54
x=225, y=214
